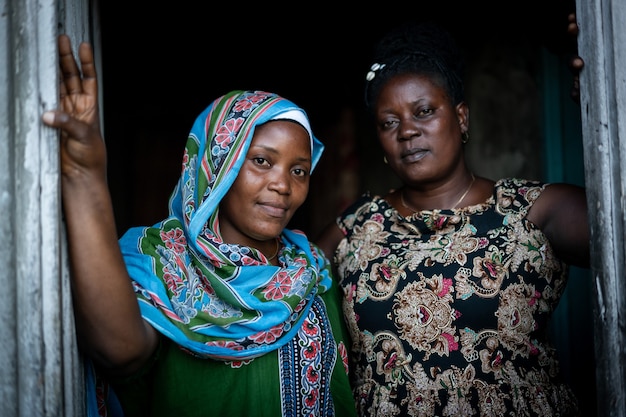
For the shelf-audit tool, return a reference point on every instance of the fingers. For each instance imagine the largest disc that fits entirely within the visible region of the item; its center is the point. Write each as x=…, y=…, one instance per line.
x=572, y=25
x=54, y=119
x=577, y=64
x=75, y=82
x=78, y=86
x=575, y=91
x=69, y=68
x=68, y=125
x=85, y=53
x=77, y=118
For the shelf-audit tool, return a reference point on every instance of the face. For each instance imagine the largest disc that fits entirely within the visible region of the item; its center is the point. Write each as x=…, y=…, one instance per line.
x=272, y=183
x=420, y=129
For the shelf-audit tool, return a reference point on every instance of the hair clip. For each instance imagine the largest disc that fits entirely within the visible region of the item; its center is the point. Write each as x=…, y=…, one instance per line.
x=372, y=73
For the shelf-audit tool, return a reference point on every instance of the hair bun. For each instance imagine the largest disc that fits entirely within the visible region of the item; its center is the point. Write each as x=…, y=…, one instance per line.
x=420, y=38
x=419, y=48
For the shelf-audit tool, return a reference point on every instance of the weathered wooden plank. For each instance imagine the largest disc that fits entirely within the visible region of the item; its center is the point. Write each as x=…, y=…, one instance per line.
x=602, y=43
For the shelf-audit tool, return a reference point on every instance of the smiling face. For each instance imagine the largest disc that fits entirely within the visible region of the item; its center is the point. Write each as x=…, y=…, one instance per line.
x=420, y=129
x=272, y=183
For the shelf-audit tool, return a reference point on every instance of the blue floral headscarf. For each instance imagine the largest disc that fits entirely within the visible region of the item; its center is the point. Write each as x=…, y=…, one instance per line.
x=221, y=300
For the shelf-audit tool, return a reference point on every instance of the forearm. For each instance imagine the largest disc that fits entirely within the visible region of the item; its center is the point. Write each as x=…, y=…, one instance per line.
x=108, y=319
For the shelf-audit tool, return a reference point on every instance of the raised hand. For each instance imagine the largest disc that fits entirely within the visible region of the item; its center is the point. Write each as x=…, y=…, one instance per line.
x=107, y=315
x=82, y=146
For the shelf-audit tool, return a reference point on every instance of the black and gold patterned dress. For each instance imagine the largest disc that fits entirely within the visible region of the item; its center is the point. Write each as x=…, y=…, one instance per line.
x=448, y=309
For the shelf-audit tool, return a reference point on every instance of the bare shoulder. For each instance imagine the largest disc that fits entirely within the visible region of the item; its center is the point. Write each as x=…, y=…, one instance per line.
x=561, y=213
x=556, y=201
x=557, y=198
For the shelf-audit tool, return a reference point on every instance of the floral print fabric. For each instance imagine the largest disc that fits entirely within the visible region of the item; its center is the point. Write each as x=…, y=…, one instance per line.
x=270, y=337
x=448, y=309
x=216, y=299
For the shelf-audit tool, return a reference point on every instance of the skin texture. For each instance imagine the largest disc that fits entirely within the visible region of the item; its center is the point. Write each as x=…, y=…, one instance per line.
x=109, y=325
x=272, y=184
x=419, y=129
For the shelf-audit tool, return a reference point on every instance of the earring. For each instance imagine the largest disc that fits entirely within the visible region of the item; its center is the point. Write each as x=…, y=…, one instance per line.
x=385, y=160
x=464, y=137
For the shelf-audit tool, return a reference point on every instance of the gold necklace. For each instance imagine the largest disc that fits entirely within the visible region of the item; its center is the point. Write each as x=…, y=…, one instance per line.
x=406, y=206
x=275, y=252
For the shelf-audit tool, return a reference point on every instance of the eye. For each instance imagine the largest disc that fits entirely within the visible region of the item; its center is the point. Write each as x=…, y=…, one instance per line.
x=260, y=161
x=300, y=172
x=388, y=124
x=425, y=112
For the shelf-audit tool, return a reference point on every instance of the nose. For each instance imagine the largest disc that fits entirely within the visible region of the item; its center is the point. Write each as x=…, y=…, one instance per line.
x=408, y=129
x=279, y=181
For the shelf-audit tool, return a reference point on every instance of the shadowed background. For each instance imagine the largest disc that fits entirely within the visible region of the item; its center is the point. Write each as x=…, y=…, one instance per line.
x=163, y=65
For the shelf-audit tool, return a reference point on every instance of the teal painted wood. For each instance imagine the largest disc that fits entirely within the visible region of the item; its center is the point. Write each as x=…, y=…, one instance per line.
x=572, y=321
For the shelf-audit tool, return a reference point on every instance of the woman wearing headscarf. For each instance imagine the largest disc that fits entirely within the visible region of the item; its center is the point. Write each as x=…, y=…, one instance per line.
x=218, y=309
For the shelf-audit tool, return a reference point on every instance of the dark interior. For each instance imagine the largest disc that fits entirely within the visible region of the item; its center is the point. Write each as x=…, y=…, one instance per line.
x=162, y=65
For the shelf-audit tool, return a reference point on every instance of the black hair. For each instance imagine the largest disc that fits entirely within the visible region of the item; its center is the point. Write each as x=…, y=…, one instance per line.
x=423, y=48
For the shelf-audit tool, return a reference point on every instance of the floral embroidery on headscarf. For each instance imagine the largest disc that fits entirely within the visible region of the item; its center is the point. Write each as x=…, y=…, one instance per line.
x=217, y=299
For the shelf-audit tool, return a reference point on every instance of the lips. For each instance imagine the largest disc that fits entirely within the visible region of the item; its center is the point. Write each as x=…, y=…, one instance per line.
x=274, y=209
x=413, y=155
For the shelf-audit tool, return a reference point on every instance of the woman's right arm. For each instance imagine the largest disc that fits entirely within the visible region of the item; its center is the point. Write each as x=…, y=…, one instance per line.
x=109, y=324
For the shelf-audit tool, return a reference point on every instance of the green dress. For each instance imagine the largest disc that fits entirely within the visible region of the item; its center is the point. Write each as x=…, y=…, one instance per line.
x=176, y=383
x=241, y=336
